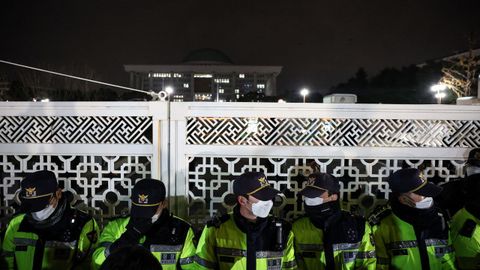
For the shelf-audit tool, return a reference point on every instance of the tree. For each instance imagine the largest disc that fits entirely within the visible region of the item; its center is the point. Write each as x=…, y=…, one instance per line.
x=459, y=74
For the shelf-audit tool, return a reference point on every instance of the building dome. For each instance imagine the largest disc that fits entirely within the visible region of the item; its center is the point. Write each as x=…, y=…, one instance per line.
x=207, y=56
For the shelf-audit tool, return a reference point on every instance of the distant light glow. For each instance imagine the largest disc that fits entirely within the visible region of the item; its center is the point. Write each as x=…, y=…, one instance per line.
x=169, y=89
x=440, y=95
x=304, y=92
x=281, y=101
x=438, y=87
x=45, y=100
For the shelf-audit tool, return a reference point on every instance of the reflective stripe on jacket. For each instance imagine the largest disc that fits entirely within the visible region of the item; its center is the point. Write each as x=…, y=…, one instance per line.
x=397, y=247
x=169, y=254
x=310, y=252
x=225, y=247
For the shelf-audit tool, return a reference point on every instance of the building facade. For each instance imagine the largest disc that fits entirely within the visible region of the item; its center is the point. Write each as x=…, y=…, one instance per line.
x=205, y=75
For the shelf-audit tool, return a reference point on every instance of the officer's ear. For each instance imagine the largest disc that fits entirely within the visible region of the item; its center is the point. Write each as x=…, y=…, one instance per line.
x=242, y=200
x=58, y=193
x=164, y=204
x=406, y=200
x=333, y=197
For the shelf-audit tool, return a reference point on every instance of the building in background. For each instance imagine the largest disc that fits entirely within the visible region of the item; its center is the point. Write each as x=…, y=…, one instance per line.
x=205, y=75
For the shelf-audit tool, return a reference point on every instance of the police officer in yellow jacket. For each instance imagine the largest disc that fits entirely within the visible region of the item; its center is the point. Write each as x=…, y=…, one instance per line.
x=466, y=227
x=414, y=234
x=167, y=237
x=327, y=237
x=51, y=234
x=248, y=238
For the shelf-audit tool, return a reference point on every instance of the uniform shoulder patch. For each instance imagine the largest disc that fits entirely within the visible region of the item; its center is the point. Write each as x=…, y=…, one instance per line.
x=218, y=220
x=378, y=214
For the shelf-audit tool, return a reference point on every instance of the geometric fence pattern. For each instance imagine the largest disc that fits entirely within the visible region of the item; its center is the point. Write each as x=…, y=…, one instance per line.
x=210, y=179
x=101, y=184
x=76, y=129
x=332, y=132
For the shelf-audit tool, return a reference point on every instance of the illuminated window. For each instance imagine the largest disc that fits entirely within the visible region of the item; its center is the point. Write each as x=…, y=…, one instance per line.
x=238, y=96
x=161, y=75
x=241, y=75
x=202, y=75
x=237, y=91
x=221, y=91
x=261, y=86
x=222, y=80
x=186, y=85
x=202, y=97
x=177, y=75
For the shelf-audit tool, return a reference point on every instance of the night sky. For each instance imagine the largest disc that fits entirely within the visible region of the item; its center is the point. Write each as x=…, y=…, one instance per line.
x=318, y=43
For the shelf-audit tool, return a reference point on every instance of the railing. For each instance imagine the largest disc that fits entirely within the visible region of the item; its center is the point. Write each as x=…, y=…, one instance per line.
x=98, y=150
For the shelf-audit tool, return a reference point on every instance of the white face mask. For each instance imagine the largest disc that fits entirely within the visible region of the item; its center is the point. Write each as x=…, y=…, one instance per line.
x=313, y=201
x=262, y=208
x=427, y=202
x=155, y=218
x=43, y=214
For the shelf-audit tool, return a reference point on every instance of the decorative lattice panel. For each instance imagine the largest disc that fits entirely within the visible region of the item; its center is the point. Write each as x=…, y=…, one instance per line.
x=76, y=129
x=333, y=132
x=210, y=179
x=101, y=184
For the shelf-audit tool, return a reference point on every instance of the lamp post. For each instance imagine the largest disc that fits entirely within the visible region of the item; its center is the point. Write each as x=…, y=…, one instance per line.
x=438, y=89
x=304, y=92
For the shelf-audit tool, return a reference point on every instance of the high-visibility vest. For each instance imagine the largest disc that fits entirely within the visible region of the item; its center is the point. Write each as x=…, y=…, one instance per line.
x=23, y=248
x=310, y=246
x=170, y=251
x=223, y=245
x=465, y=232
x=397, y=246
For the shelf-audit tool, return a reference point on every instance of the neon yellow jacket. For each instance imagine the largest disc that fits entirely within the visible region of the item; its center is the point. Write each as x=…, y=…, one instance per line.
x=21, y=244
x=353, y=254
x=465, y=234
x=176, y=247
x=223, y=245
x=397, y=246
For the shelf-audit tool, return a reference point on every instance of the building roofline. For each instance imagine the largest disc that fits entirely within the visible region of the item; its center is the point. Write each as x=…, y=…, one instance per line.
x=203, y=68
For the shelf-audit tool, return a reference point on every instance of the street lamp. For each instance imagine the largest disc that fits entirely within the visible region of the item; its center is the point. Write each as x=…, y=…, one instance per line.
x=438, y=89
x=304, y=92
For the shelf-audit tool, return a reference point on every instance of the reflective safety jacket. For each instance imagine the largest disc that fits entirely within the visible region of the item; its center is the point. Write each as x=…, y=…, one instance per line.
x=349, y=245
x=398, y=247
x=171, y=243
x=466, y=239
x=227, y=243
x=67, y=244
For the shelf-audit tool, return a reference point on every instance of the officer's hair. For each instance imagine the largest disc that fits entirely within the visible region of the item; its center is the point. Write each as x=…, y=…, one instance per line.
x=130, y=258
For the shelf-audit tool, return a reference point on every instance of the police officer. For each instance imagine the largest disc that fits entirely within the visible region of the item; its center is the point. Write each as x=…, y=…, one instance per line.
x=248, y=238
x=414, y=234
x=466, y=227
x=473, y=162
x=151, y=225
x=327, y=237
x=51, y=234
x=452, y=197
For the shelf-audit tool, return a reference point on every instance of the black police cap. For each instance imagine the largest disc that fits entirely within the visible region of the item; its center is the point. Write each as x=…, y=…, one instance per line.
x=37, y=189
x=254, y=184
x=147, y=194
x=412, y=180
x=318, y=183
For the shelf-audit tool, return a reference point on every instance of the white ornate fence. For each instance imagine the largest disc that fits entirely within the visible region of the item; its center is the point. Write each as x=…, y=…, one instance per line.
x=98, y=150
